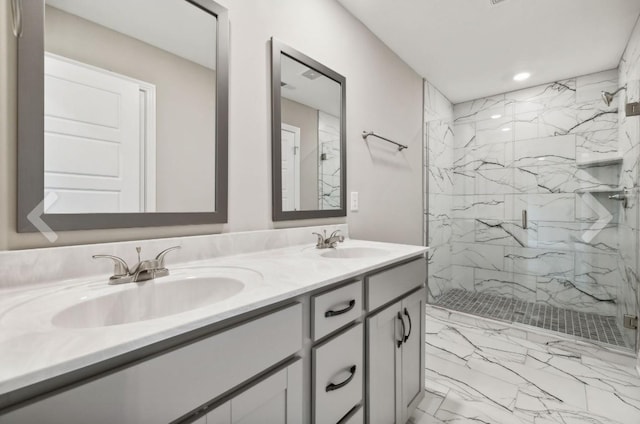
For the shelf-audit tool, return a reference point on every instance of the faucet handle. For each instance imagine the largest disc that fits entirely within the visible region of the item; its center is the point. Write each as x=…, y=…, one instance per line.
x=161, y=255
x=121, y=269
x=320, y=239
x=337, y=233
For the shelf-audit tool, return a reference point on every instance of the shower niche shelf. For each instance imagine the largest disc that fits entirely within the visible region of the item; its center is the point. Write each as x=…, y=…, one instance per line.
x=617, y=160
x=600, y=190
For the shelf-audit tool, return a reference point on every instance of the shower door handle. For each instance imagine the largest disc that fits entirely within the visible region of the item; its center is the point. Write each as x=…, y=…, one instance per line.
x=525, y=220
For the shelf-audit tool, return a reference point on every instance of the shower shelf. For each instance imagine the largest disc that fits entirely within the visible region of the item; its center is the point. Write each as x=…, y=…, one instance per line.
x=601, y=190
x=599, y=162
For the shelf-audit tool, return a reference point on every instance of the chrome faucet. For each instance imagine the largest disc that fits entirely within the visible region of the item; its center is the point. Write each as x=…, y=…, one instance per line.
x=325, y=242
x=142, y=271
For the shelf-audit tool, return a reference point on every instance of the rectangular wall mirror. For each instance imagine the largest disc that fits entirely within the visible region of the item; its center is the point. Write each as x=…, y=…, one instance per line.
x=123, y=108
x=308, y=137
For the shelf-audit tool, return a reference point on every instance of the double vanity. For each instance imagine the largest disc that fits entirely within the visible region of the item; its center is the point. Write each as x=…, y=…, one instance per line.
x=291, y=333
x=121, y=126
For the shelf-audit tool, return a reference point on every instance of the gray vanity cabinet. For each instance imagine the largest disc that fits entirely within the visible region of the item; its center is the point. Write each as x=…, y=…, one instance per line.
x=395, y=342
x=338, y=356
x=275, y=399
x=396, y=360
x=338, y=376
x=412, y=353
x=350, y=354
x=384, y=358
x=163, y=388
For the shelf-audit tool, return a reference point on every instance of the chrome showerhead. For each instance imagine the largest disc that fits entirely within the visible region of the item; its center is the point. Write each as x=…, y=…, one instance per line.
x=607, y=97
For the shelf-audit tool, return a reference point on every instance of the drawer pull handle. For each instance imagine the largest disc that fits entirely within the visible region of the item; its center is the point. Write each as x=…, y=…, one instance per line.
x=410, y=325
x=331, y=313
x=402, y=339
x=332, y=386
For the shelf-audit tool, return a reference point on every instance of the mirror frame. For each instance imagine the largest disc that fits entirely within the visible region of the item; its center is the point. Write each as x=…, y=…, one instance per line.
x=31, y=136
x=277, y=50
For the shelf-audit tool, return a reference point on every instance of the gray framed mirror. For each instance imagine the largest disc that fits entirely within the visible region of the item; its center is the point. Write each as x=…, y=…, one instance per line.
x=308, y=124
x=122, y=113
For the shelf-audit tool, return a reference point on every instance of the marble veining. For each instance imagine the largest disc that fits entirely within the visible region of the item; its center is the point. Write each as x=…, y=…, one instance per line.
x=481, y=371
x=629, y=220
x=20, y=268
x=536, y=312
x=520, y=151
x=33, y=349
x=328, y=161
x=439, y=178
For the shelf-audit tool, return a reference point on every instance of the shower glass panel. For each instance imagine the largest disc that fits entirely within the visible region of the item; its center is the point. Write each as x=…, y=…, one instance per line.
x=539, y=235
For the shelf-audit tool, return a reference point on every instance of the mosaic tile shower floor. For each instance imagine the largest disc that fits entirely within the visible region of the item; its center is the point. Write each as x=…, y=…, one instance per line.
x=591, y=326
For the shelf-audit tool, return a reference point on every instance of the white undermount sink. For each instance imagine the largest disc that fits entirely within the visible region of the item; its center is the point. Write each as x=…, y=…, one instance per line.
x=97, y=304
x=149, y=300
x=353, y=252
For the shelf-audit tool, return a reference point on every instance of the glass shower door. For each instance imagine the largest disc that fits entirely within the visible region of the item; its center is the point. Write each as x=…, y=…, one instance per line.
x=570, y=259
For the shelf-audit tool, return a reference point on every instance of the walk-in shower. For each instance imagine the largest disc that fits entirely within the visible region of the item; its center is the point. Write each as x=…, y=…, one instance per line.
x=522, y=212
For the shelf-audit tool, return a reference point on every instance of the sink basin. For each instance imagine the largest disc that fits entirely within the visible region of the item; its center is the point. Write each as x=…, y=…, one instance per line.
x=166, y=296
x=353, y=252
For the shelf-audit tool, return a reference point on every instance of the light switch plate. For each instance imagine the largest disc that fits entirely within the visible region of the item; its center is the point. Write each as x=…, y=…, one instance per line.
x=354, y=201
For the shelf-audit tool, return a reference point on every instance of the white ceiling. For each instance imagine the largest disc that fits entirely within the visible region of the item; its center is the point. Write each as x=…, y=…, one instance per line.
x=175, y=26
x=321, y=93
x=469, y=49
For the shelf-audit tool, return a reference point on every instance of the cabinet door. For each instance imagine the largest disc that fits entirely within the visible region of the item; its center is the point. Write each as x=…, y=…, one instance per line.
x=413, y=313
x=383, y=359
x=276, y=399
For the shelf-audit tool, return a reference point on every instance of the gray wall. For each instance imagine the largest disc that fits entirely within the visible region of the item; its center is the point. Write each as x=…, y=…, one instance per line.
x=305, y=118
x=383, y=94
x=185, y=104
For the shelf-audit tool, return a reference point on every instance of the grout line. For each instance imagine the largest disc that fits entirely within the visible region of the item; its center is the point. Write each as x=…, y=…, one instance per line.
x=580, y=324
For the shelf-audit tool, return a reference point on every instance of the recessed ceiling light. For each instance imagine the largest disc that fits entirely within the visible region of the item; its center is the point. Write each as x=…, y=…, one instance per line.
x=521, y=76
x=496, y=116
x=505, y=129
x=311, y=74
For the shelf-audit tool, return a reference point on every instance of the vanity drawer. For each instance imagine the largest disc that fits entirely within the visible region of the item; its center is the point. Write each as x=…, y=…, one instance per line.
x=337, y=376
x=335, y=309
x=183, y=379
x=388, y=285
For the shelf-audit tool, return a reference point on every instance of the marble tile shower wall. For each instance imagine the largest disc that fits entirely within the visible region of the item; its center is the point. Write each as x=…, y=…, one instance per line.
x=629, y=219
x=329, y=161
x=438, y=173
x=520, y=151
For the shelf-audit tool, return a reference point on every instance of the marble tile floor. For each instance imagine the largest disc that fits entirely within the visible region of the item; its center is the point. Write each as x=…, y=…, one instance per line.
x=592, y=326
x=480, y=371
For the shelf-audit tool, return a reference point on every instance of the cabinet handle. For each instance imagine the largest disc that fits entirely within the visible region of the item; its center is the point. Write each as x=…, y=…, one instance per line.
x=403, y=330
x=410, y=325
x=331, y=313
x=332, y=386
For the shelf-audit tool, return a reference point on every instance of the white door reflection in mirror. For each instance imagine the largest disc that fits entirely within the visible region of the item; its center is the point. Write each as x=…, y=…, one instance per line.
x=290, y=167
x=110, y=146
x=96, y=141
x=311, y=102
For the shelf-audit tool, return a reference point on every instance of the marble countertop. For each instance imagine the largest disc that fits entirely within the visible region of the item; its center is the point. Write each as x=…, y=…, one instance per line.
x=33, y=350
